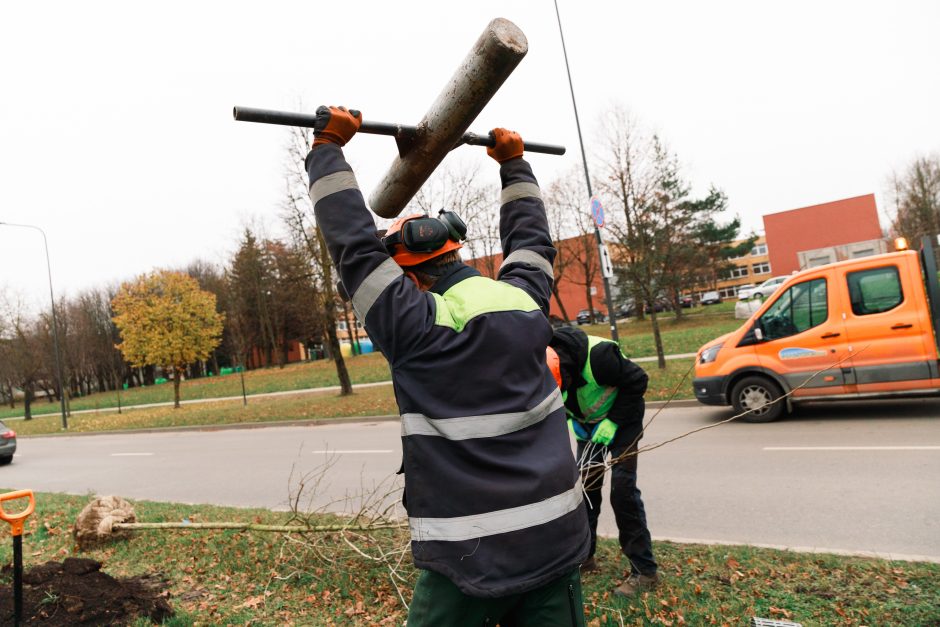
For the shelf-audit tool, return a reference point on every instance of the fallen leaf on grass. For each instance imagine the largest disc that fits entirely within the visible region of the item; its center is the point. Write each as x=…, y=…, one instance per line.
x=251, y=602
x=780, y=611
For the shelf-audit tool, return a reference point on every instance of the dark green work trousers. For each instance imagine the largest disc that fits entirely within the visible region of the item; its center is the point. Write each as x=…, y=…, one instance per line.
x=438, y=602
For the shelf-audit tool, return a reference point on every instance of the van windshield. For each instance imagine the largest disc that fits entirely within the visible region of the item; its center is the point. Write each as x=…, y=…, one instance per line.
x=802, y=307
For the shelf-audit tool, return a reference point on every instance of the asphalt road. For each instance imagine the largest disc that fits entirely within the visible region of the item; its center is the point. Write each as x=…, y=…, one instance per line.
x=853, y=477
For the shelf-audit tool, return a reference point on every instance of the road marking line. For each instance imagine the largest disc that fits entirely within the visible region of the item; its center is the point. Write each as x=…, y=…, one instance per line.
x=353, y=451
x=131, y=454
x=852, y=448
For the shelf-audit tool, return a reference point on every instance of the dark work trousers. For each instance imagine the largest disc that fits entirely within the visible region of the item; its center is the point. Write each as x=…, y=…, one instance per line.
x=635, y=541
x=437, y=602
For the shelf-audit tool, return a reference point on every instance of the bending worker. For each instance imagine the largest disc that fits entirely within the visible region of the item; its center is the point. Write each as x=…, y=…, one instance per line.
x=603, y=393
x=494, y=501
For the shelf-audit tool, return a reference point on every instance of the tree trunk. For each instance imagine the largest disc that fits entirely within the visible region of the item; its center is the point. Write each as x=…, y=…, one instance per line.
x=590, y=301
x=658, y=339
x=28, y=401
x=329, y=313
x=177, y=375
x=676, y=305
x=640, y=300
x=561, y=305
x=341, y=372
x=353, y=343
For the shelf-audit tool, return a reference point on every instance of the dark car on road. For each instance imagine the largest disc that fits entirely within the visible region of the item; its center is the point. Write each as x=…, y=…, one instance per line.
x=584, y=316
x=7, y=444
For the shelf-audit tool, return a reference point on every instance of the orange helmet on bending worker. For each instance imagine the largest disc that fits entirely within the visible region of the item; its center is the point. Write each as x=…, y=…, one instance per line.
x=414, y=239
x=554, y=363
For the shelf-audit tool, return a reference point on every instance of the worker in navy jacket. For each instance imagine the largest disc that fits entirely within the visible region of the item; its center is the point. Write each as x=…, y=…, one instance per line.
x=494, y=500
x=603, y=395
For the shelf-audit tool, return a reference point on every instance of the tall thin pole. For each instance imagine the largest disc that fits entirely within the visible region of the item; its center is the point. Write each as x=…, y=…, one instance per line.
x=55, y=324
x=587, y=178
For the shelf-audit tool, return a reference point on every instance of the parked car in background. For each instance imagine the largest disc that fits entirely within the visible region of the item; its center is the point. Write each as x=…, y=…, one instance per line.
x=711, y=298
x=747, y=305
x=7, y=444
x=745, y=291
x=686, y=302
x=625, y=310
x=768, y=287
x=584, y=316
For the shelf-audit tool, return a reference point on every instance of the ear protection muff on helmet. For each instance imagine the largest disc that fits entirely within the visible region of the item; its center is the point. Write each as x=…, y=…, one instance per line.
x=424, y=234
x=456, y=228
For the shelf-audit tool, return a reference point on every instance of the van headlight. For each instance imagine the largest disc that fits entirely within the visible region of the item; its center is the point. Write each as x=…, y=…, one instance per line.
x=709, y=354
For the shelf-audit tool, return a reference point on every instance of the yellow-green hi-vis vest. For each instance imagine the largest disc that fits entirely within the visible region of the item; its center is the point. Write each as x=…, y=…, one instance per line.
x=594, y=399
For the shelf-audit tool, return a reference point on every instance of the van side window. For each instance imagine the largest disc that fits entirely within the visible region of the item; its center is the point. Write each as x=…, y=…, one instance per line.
x=874, y=291
x=802, y=307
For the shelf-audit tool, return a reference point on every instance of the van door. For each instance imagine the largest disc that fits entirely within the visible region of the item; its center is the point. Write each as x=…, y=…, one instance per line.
x=886, y=329
x=804, y=339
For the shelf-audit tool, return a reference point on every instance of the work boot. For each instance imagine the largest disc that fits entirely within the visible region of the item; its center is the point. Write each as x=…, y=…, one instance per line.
x=590, y=565
x=637, y=583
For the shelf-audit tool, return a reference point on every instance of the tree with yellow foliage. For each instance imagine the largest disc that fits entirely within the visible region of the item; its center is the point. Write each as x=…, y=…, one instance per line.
x=166, y=320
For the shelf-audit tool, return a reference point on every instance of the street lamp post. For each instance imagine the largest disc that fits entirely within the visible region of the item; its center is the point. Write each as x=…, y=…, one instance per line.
x=598, y=239
x=55, y=324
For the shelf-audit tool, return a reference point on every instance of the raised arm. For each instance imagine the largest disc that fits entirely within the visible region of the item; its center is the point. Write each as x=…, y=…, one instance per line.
x=394, y=312
x=528, y=252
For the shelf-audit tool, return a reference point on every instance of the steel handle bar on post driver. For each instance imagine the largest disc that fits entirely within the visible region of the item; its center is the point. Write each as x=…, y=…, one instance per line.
x=398, y=131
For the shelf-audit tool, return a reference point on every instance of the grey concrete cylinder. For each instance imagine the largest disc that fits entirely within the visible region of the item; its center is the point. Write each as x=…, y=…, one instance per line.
x=491, y=60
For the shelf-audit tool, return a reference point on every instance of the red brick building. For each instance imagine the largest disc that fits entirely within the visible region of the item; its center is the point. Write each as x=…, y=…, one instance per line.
x=824, y=233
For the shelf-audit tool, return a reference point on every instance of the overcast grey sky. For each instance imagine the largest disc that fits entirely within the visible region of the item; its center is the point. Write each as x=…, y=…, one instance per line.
x=116, y=134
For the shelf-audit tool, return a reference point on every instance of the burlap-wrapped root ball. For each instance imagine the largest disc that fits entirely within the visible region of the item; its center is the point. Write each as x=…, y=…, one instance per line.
x=94, y=524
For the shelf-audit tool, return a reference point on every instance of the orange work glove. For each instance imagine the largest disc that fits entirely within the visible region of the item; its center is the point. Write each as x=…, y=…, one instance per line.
x=335, y=125
x=508, y=145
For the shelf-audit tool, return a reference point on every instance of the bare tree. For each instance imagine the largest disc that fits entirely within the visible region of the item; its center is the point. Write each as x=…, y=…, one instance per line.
x=297, y=213
x=23, y=352
x=630, y=180
x=573, y=233
x=916, y=194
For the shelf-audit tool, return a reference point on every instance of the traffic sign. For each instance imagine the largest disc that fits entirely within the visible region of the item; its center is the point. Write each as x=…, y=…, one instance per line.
x=597, y=211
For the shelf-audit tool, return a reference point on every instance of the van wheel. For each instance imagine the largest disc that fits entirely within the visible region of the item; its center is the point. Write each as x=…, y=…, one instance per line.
x=756, y=396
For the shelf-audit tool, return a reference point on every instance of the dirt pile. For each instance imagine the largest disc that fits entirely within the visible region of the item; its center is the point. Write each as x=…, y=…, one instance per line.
x=76, y=592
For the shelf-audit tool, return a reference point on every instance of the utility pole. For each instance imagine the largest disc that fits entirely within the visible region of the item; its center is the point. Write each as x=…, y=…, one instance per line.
x=608, y=297
x=55, y=324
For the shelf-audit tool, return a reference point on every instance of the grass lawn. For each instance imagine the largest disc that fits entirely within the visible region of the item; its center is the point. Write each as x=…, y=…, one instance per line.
x=256, y=578
x=366, y=402
x=373, y=401
x=687, y=335
x=362, y=369
x=684, y=336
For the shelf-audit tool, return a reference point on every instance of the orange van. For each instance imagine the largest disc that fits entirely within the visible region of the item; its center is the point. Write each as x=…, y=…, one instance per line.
x=863, y=328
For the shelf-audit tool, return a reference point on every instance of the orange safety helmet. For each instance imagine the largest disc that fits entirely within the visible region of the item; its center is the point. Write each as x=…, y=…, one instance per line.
x=554, y=364
x=424, y=238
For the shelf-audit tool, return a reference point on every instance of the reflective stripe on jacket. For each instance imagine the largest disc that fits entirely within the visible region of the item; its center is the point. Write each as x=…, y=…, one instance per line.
x=493, y=496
